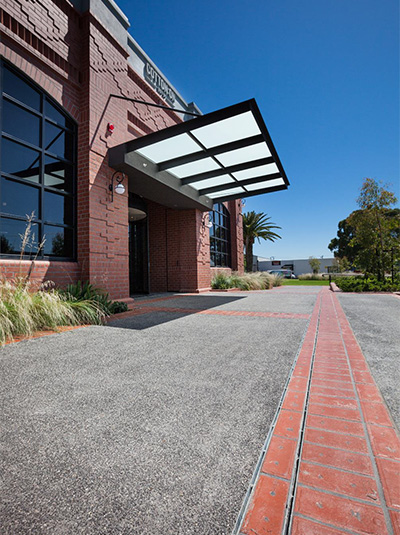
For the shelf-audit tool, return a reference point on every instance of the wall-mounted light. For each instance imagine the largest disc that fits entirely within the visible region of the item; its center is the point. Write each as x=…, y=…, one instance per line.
x=110, y=128
x=208, y=224
x=119, y=188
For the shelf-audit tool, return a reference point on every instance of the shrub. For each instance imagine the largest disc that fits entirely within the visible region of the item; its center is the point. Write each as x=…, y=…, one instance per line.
x=221, y=281
x=311, y=277
x=276, y=280
x=240, y=281
x=366, y=284
x=23, y=311
x=118, y=306
x=247, y=281
x=84, y=291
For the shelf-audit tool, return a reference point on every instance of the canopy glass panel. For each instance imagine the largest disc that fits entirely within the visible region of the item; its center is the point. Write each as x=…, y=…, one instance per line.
x=222, y=155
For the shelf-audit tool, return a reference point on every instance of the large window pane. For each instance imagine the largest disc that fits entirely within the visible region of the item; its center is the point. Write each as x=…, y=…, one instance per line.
x=11, y=235
x=57, y=208
x=16, y=87
x=58, y=241
x=20, y=161
x=56, y=115
x=57, y=174
x=21, y=123
x=58, y=141
x=33, y=181
x=19, y=199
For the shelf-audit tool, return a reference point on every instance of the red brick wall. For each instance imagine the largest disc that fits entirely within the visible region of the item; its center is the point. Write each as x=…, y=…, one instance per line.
x=157, y=247
x=107, y=256
x=179, y=250
x=26, y=31
x=79, y=64
x=62, y=273
x=235, y=210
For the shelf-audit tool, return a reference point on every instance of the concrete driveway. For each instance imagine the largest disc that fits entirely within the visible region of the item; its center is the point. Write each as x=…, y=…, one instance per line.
x=152, y=424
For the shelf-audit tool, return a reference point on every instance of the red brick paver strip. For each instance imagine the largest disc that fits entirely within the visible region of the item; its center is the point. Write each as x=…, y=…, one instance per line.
x=40, y=334
x=143, y=308
x=331, y=463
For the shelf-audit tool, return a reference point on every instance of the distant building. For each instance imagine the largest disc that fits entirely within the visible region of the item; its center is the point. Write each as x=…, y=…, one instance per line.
x=299, y=266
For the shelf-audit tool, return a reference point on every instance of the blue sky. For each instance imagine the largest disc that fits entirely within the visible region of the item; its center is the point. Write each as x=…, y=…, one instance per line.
x=325, y=74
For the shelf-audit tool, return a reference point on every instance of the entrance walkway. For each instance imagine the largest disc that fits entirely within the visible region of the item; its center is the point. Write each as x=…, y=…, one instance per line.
x=331, y=462
x=153, y=423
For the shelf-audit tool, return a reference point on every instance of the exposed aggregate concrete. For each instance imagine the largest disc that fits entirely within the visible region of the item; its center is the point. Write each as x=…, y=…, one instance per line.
x=152, y=424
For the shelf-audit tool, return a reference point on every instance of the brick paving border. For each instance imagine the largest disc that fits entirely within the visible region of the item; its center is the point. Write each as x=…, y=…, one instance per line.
x=143, y=307
x=40, y=334
x=331, y=463
x=140, y=310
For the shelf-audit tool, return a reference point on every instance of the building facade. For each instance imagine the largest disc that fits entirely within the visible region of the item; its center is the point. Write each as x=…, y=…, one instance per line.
x=71, y=76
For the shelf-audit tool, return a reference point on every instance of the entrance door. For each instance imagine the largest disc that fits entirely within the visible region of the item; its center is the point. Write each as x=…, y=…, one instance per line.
x=138, y=250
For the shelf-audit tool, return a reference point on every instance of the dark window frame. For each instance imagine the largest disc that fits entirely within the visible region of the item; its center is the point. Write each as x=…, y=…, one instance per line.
x=71, y=129
x=220, y=247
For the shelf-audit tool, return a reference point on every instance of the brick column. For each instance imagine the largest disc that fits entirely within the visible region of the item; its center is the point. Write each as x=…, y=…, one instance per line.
x=235, y=210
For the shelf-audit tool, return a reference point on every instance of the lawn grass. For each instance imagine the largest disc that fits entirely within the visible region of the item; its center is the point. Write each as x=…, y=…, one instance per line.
x=296, y=282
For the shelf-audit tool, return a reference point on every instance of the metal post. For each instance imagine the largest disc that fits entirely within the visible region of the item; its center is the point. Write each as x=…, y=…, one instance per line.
x=392, y=264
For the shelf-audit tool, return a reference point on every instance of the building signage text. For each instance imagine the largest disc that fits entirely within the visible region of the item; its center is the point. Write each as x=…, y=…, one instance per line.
x=159, y=84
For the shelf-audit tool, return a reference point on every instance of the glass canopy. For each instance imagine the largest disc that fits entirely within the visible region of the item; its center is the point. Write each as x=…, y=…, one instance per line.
x=223, y=155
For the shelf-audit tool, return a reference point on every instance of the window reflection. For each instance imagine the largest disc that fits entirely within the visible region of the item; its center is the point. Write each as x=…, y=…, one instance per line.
x=57, y=174
x=16, y=87
x=57, y=208
x=58, y=241
x=53, y=113
x=57, y=141
x=19, y=199
x=31, y=180
x=21, y=123
x=20, y=161
x=11, y=236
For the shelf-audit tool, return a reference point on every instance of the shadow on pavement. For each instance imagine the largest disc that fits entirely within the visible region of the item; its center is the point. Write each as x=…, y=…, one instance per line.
x=150, y=312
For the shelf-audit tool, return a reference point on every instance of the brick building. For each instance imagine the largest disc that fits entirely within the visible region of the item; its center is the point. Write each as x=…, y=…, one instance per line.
x=72, y=131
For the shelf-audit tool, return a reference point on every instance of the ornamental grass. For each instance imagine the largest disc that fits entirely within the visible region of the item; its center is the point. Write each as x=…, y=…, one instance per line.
x=24, y=311
x=312, y=277
x=258, y=280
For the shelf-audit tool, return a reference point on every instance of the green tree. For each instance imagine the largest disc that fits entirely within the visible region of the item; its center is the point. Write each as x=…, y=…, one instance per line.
x=376, y=229
x=315, y=264
x=57, y=244
x=256, y=226
x=341, y=264
x=342, y=245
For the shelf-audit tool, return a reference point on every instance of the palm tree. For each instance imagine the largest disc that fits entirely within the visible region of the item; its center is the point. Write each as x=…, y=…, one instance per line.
x=256, y=226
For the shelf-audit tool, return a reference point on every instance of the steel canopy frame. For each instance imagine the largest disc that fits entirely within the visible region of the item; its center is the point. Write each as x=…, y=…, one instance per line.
x=210, y=156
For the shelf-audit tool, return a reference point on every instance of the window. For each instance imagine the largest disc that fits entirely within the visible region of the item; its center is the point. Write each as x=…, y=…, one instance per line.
x=38, y=170
x=220, y=237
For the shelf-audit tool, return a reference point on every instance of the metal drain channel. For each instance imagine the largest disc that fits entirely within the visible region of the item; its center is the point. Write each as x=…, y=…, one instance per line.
x=256, y=472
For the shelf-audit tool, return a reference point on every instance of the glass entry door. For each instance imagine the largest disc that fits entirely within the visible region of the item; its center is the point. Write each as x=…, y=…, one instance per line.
x=138, y=249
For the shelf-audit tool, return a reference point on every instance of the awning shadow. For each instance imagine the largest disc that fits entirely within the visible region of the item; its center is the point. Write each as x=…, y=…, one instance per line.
x=148, y=313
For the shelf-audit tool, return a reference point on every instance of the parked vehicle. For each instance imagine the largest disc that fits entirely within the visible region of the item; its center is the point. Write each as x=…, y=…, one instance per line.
x=284, y=273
